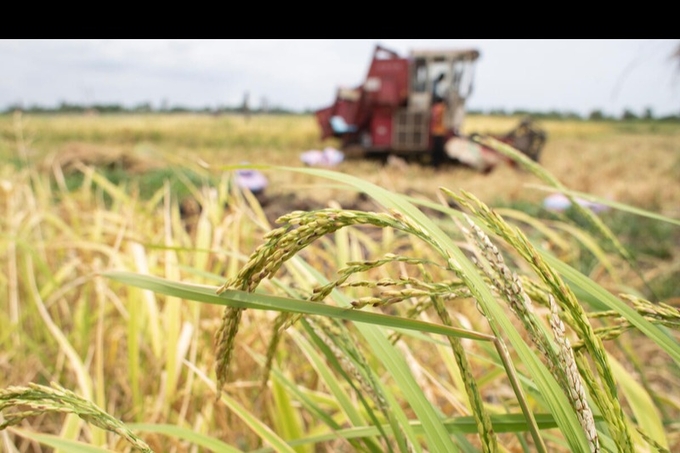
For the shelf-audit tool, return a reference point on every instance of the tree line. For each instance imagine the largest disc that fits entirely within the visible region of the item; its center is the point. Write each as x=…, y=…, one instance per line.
x=66, y=107
x=146, y=107
x=594, y=115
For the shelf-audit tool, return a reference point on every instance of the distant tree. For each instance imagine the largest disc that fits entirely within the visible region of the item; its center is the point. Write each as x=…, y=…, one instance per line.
x=628, y=115
x=596, y=115
x=108, y=108
x=18, y=107
x=649, y=114
x=65, y=107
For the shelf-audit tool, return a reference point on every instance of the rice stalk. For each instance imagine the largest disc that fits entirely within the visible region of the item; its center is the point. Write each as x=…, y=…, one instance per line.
x=576, y=391
x=298, y=231
x=34, y=399
x=510, y=286
x=479, y=412
x=612, y=410
x=660, y=448
x=657, y=313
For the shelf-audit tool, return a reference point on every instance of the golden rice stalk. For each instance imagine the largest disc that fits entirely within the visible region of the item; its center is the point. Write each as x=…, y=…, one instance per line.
x=657, y=313
x=481, y=415
x=41, y=399
x=612, y=410
x=300, y=228
x=510, y=286
x=576, y=393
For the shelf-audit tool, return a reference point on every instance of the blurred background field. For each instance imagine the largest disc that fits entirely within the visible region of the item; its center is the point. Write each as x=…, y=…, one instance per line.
x=124, y=348
x=632, y=162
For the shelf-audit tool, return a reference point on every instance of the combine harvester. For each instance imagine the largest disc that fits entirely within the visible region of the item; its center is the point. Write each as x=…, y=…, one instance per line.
x=414, y=108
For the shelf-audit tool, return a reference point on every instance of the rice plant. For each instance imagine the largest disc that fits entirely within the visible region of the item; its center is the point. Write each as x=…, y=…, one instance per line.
x=416, y=326
x=577, y=389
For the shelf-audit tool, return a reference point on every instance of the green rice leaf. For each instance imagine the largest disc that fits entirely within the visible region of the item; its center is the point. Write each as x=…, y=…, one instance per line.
x=241, y=299
x=201, y=440
x=646, y=413
x=344, y=401
x=339, y=397
x=286, y=419
x=59, y=443
x=502, y=423
x=258, y=426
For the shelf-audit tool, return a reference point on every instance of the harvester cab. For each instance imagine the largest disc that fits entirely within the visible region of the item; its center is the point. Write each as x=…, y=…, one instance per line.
x=391, y=111
x=442, y=75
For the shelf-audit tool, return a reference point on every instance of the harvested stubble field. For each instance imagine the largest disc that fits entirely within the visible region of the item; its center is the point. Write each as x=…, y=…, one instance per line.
x=84, y=196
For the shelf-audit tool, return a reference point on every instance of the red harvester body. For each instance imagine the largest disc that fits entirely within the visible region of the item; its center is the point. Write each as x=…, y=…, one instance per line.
x=389, y=113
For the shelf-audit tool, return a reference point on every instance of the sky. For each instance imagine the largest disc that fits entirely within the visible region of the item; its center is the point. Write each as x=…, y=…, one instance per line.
x=577, y=76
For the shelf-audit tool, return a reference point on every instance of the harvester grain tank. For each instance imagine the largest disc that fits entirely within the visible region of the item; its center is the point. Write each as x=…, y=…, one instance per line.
x=390, y=113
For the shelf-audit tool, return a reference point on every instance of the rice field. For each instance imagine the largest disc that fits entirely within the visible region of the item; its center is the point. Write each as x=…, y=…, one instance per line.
x=440, y=311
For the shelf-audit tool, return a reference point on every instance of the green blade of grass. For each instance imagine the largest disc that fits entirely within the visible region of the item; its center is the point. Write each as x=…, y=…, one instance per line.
x=502, y=423
x=241, y=299
x=263, y=431
x=189, y=435
x=116, y=192
x=71, y=446
x=287, y=419
x=344, y=401
x=339, y=397
x=439, y=440
x=646, y=413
